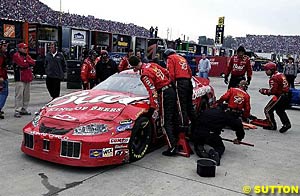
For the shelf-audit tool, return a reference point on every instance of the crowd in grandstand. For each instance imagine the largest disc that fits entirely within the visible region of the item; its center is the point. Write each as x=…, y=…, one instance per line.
x=270, y=43
x=35, y=11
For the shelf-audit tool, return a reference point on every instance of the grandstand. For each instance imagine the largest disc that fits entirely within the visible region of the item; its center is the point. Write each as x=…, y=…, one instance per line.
x=34, y=11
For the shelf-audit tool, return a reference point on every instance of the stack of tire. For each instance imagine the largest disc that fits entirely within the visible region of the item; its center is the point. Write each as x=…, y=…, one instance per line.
x=73, y=74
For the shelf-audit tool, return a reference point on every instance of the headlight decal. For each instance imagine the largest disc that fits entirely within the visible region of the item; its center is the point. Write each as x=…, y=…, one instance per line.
x=91, y=129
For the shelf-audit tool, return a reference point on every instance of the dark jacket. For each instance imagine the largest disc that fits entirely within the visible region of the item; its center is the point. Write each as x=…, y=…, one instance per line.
x=105, y=69
x=55, y=66
x=214, y=120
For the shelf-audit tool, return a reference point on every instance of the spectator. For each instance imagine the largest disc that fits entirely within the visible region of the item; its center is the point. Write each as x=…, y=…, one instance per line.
x=55, y=67
x=3, y=76
x=105, y=67
x=204, y=67
x=290, y=71
x=23, y=76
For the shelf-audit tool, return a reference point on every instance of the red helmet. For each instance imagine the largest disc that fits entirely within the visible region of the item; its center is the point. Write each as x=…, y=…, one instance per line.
x=270, y=66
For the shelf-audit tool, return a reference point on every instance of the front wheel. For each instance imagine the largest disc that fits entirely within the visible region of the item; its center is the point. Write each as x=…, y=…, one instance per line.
x=140, y=139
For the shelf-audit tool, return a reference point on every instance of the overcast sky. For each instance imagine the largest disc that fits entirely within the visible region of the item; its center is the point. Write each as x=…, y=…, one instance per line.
x=194, y=17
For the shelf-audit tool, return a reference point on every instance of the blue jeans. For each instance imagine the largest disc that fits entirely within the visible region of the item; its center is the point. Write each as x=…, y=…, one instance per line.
x=203, y=75
x=3, y=94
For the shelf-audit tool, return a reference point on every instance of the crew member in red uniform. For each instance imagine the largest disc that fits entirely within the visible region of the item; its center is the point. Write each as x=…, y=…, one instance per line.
x=279, y=88
x=238, y=65
x=3, y=76
x=181, y=74
x=124, y=64
x=158, y=84
x=238, y=100
x=88, y=71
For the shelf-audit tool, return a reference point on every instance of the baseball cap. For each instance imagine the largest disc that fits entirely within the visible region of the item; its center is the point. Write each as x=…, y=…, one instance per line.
x=2, y=42
x=22, y=45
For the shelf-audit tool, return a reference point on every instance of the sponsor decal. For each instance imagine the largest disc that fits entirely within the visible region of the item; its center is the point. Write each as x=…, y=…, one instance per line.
x=126, y=122
x=121, y=152
x=119, y=140
x=107, y=152
x=96, y=153
x=200, y=92
x=49, y=136
x=9, y=31
x=121, y=146
x=123, y=128
x=84, y=97
x=64, y=117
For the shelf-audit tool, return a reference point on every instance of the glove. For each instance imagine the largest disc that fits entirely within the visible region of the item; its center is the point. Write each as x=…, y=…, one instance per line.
x=246, y=120
x=236, y=141
x=150, y=112
x=248, y=80
x=226, y=79
x=263, y=91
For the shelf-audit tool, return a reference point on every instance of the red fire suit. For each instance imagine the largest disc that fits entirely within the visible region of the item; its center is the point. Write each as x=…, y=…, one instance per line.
x=158, y=84
x=124, y=64
x=88, y=73
x=279, y=88
x=238, y=67
x=238, y=101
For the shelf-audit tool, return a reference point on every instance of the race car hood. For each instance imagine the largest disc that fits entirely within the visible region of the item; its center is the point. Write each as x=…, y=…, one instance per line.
x=87, y=105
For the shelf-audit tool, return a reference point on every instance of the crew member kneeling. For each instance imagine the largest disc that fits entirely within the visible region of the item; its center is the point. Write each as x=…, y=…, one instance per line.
x=158, y=84
x=207, y=140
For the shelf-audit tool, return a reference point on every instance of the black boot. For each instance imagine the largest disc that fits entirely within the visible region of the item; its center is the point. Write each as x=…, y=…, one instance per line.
x=200, y=151
x=214, y=156
x=170, y=152
x=284, y=128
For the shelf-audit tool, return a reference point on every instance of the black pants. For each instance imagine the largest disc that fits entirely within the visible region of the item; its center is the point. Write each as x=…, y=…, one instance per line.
x=168, y=100
x=279, y=106
x=92, y=83
x=212, y=139
x=185, y=93
x=291, y=80
x=53, y=86
x=235, y=80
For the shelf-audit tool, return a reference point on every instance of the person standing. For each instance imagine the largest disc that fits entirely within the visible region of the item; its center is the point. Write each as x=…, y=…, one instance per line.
x=3, y=76
x=88, y=71
x=158, y=84
x=124, y=64
x=105, y=67
x=23, y=76
x=290, y=71
x=155, y=32
x=238, y=65
x=204, y=67
x=279, y=88
x=55, y=67
x=181, y=74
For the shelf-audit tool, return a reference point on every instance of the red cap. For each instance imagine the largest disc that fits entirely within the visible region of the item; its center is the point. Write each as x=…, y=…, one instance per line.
x=22, y=45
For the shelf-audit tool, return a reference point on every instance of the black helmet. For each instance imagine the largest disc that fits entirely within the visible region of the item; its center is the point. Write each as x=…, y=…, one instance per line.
x=168, y=52
x=241, y=49
x=93, y=53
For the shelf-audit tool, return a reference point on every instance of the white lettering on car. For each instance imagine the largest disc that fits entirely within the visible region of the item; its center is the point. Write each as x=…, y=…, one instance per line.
x=83, y=98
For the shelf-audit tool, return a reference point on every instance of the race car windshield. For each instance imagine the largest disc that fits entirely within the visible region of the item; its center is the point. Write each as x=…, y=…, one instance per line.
x=125, y=83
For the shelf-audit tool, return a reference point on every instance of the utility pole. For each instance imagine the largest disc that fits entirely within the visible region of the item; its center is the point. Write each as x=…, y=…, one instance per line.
x=60, y=12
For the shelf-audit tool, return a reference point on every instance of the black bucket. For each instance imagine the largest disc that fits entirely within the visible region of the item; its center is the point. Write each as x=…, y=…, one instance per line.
x=206, y=167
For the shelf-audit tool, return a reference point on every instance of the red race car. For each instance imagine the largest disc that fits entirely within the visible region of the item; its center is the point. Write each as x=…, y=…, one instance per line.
x=101, y=126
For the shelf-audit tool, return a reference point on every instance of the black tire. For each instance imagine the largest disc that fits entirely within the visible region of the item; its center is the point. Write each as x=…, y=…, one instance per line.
x=140, y=139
